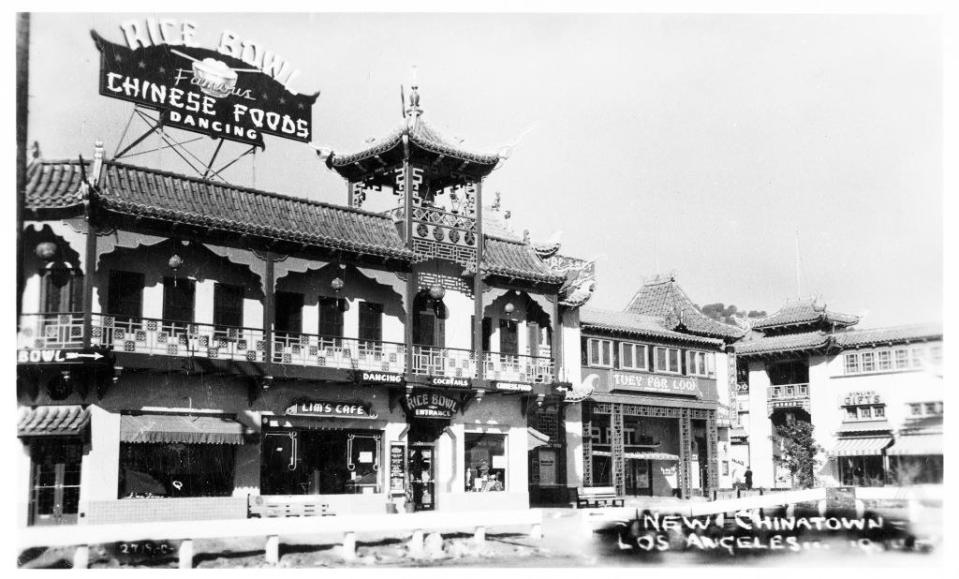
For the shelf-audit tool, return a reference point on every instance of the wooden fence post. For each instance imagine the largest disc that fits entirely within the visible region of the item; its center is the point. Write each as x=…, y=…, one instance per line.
x=349, y=546
x=81, y=557
x=273, y=549
x=186, y=554
x=479, y=536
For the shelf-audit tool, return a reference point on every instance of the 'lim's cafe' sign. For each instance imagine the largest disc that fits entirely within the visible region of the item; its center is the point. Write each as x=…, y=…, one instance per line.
x=239, y=91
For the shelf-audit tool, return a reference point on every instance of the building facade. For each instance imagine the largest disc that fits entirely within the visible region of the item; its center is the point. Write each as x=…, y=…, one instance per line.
x=873, y=396
x=188, y=346
x=656, y=421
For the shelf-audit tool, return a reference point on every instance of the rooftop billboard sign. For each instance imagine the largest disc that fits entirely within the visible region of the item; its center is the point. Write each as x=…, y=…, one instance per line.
x=239, y=91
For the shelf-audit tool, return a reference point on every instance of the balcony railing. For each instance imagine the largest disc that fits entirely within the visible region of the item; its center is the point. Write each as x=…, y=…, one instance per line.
x=518, y=368
x=168, y=338
x=152, y=336
x=50, y=331
x=443, y=362
x=341, y=353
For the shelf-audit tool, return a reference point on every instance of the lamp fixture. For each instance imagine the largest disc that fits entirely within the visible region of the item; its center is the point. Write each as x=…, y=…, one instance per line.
x=337, y=284
x=175, y=262
x=437, y=292
x=46, y=250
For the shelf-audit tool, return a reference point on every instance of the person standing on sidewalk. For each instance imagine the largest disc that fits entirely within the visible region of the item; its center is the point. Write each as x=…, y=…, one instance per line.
x=748, y=476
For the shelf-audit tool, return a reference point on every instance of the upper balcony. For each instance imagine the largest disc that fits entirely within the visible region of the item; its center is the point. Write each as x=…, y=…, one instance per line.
x=299, y=354
x=785, y=396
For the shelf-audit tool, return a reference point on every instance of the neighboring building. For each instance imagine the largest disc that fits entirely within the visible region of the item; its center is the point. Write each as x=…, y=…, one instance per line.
x=657, y=421
x=187, y=344
x=874, y=396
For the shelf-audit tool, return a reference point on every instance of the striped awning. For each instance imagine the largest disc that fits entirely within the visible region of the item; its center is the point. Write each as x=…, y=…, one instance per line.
x=53, y=421
x=173, y=428
x=917, y=445
x=650, y=455
x=862, y=446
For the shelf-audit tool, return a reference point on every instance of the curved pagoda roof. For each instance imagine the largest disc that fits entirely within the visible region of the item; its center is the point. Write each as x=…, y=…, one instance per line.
x=802, y=315
x=426, y=145
x=662, y=297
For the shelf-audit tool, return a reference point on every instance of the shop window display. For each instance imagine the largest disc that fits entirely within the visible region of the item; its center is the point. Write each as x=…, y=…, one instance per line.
x=176, y=470
x=321, y=462
x=485, y=462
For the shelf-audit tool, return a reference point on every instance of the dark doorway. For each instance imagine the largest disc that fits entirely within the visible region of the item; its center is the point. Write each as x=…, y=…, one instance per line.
x=55, y=481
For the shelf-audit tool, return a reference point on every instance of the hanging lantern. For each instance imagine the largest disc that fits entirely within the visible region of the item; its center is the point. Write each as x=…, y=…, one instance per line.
x=509, y=309
x=175, y=262
x=437, y=292
x=337, y=284
x=46, y=250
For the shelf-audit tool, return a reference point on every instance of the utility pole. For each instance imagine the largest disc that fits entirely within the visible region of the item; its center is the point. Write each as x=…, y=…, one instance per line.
x=23, y=76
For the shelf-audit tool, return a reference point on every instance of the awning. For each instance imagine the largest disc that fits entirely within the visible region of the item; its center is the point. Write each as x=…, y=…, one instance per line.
x=53, y=421
x=917, y=445
x=173, y=428
x=864, y=446
x=535, y=438
x=865, y=426
x=640, y=455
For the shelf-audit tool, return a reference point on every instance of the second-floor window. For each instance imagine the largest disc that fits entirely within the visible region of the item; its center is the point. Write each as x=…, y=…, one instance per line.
x=178, y=299
x=227, y=305
x=331, y=318
x=371, y=322
x=864, y=412
x=920, y=409
x=288, y=313
x=62, y=291
x=697, y=363
x=508, y=337
x=632, y=356
x=890, y=359
x=666, y=360
x=125, y=295
x=600, y=353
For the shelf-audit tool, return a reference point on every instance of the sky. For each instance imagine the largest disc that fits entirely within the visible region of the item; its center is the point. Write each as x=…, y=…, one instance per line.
x=732, y=151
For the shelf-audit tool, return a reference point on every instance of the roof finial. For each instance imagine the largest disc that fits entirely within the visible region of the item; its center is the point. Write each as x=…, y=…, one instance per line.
x=414, y=109
x=97, y=162
x=496, y=201
x=35, y=151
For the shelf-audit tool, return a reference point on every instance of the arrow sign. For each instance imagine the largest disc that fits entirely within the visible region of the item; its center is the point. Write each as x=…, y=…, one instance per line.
x=72, y=356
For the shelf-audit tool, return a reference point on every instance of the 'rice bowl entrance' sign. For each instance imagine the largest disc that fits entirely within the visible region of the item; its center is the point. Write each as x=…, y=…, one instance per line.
x=238, y=92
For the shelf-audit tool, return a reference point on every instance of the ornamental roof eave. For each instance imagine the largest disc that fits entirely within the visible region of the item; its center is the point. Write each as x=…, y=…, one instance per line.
x=420, y=135
x=601, y=321
x=801, y=313
x=663, y=297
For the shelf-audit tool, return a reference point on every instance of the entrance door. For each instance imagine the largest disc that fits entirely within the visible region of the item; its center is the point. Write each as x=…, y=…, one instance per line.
x=421, y=477
x=55, y=482
x=638, y=478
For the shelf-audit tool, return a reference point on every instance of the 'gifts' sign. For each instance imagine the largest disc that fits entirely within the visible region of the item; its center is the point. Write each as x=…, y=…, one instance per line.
x=239, y=91
x=331, y=409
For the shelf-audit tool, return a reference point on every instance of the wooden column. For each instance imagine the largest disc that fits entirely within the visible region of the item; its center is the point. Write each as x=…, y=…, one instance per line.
x=408, y=238
x=478, y=288
x=618, y=449
x=682, y=469
x=90, y=261
x=557, y=343
x=269, y=309
x=587, y=444
x=23, y=77
x=712, y=452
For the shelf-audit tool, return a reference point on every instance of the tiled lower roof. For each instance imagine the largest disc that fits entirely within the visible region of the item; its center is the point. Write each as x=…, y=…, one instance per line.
x=516, y=259
x=52, y=421
x=664, y=298
x=803, y=312
x=170, y=197
x=637, y=325
x=784, y=343
x=891, y=335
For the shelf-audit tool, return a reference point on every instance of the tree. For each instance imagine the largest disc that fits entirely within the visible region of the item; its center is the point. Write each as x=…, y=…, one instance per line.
x=798, y=452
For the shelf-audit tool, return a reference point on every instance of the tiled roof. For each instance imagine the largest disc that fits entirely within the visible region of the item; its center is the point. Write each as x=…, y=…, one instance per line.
x=664, y=298
x=516, y=259
x=636, y=324
x=139, y=192
x=784, y=343
x=52, y=421
x=803, y=312
x=897, y=334
x=52, y=185
x=421, y=134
